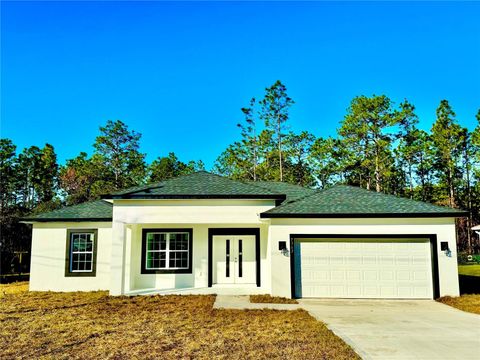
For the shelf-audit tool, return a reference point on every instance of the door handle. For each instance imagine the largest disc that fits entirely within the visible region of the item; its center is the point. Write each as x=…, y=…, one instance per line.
x=235, y=259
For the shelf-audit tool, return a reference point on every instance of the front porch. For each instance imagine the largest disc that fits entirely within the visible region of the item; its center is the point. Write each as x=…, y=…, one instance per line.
x=214, y=259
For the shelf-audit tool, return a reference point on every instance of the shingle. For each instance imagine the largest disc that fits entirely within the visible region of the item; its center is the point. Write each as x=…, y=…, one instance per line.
x=197, y=185
x=344, y=201
x=293, y=192
x=98, y=210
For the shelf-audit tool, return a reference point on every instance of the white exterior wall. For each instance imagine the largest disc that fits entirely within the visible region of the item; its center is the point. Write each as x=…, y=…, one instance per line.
x=47, y=269
x=444, y=228
x=119, y=244
x=131, y=216
x=135, y=280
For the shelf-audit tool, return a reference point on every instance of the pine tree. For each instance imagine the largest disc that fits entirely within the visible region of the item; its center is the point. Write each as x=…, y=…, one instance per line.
x=447, y=140
x=119, y=149
x=249, y=136
x=364, y=132
x=275, y=113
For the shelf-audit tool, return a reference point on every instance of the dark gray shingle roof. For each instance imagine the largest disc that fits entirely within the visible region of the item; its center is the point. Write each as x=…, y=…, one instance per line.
x=350, y=201
x=338, y=201
x=293, y=192
x=98, y=210
x=199, y=185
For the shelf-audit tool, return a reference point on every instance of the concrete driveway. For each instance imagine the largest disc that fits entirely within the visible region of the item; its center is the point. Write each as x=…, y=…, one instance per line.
x=399, y=329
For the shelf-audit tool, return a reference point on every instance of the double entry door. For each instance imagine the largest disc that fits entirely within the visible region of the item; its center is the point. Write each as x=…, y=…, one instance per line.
x=234, y=259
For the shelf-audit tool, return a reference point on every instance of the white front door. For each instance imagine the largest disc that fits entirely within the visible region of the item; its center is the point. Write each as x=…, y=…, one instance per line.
x=234, y=259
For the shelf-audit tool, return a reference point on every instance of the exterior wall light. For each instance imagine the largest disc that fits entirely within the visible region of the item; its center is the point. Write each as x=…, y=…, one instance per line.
x=444, y=247
x=282, y=246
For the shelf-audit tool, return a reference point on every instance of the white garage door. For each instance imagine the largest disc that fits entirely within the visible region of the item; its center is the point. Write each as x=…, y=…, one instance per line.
x=363, y=268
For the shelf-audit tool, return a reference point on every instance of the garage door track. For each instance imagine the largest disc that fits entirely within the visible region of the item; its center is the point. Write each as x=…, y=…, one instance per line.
x=400, y=329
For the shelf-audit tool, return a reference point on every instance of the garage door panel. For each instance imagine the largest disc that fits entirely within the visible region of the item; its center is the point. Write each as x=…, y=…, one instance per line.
x=404, y=275
x=363, y=269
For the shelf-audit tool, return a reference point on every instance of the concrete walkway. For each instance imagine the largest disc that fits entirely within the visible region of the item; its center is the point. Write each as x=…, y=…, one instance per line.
x=379, y=329
x=400, y=329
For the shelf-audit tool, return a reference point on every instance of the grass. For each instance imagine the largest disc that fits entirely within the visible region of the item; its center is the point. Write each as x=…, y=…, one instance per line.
x=470, y=270
x=89, y=325
x=468, y=303
x=268, y=299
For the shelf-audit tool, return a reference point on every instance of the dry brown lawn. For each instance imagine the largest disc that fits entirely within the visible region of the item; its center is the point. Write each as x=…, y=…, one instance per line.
x=268, y=299
x=93, y=325
x=469, y=303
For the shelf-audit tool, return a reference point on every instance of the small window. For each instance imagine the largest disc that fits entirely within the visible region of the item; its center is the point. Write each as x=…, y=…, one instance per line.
x=166, y=251
x=81, y=253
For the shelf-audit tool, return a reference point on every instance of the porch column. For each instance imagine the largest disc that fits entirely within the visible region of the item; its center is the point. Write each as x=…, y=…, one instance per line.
x=117, y=262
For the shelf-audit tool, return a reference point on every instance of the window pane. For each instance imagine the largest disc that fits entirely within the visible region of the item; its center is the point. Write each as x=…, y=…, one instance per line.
x=75, y=262
x=162, y=241
x=179, y=241
x=149, y=261
x=178, y=259
x=156, y=241
x=88, y=266
x=75, y=242
x=89, y=246
x=149, y=241
x=80, y=266
x=155, y=260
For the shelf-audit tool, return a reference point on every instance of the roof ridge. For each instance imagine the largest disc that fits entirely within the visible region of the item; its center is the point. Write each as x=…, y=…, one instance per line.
x=315, y=192
x=279, y=182
x=243, y=182
x=254, y=183
x=199, y=183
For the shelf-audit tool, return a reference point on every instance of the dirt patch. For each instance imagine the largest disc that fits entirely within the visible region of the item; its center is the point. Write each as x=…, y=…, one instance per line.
x=268, y=299
x=468, y=303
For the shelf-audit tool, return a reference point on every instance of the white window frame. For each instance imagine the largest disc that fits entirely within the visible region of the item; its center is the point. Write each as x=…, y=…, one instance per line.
x=92, y=237
x=167, y=251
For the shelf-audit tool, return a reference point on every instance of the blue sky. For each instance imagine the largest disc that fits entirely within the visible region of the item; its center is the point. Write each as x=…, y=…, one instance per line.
x=179, y=72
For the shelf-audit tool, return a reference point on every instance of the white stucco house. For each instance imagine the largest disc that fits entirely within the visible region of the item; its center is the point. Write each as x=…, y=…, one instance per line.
x=203, y=233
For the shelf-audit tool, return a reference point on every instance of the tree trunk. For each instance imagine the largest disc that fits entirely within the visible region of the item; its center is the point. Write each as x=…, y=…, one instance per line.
x=451, y=190
x=410, y=179
x=254, y=155
x=377, y=167
x=377, y=175
x=469, y=202
x=280, y=147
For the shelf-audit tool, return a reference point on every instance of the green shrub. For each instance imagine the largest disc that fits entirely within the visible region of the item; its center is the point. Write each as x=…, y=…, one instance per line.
x=466, y=259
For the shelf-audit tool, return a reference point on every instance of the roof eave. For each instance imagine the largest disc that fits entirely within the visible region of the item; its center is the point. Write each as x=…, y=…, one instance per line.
x=196, y=196
x=33, y=220
x=356, y=215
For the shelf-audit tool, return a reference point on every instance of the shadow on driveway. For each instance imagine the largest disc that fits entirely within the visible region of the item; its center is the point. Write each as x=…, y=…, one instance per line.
x=469, y=284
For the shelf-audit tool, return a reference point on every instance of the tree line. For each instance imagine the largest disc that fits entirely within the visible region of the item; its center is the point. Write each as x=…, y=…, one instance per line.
x=378, y=146
x=32, y=181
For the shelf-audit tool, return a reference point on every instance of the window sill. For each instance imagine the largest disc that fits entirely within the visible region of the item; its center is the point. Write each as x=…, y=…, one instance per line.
x=80, y=274
x=167, y=271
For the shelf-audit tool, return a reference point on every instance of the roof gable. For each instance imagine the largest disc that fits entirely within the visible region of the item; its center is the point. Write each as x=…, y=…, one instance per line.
x=199, y=185
x=350, y=201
